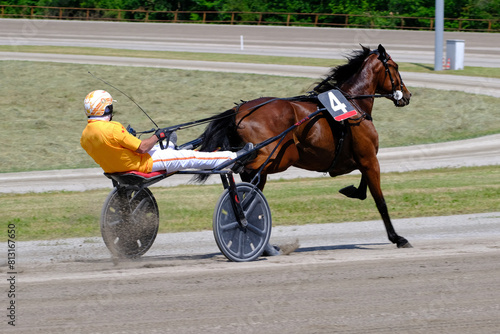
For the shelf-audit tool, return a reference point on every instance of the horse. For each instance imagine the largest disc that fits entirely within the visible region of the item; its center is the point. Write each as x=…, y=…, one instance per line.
x=320, y=143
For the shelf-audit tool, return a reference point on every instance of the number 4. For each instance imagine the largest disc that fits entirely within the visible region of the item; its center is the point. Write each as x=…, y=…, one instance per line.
x=336, y=104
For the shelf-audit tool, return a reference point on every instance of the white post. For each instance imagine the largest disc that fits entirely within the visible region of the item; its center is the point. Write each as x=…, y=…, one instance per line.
x=438, y=42
x=241, y=43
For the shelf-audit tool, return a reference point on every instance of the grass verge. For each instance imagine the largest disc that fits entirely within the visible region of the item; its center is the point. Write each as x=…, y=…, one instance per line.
x=293, y=202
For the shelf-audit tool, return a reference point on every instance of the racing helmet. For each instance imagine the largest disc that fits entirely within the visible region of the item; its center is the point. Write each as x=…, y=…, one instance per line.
x=98, y=103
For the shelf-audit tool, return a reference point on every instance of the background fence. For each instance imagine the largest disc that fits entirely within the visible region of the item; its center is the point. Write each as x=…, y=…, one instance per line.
x=250, y=18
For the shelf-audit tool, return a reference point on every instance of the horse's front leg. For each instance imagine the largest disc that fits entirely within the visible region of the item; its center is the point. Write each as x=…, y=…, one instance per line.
x=353, y=192
x=372, y=177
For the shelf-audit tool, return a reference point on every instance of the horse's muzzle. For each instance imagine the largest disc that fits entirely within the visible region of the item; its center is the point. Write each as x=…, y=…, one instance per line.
x=404, y=101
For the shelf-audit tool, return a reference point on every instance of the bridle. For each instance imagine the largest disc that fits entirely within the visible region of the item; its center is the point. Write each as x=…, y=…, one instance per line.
x=397, y=94
x=384, y=61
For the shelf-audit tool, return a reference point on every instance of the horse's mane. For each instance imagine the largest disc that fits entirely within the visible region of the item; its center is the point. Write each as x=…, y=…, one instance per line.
x=340, y=74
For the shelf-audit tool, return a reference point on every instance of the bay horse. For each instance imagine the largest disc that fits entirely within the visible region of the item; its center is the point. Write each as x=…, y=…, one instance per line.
x=321, y=143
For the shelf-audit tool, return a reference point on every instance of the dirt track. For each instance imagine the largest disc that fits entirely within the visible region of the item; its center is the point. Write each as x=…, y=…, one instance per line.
x=436, y=287
x=344, y=278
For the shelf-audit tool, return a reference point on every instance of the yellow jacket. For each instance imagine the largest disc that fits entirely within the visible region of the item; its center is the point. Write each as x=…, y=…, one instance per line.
x=113, y=147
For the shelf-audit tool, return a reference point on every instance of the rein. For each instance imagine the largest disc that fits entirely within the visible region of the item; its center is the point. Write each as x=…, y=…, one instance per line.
x=190, y=124
x=254, y=108
x=355, y=97
x=218, y=117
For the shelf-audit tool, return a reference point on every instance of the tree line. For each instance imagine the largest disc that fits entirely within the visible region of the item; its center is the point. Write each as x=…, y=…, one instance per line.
x=457, y=9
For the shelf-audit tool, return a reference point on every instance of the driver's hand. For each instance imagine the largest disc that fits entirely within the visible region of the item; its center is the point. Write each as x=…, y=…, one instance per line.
x=162, y=134
x=131, y=130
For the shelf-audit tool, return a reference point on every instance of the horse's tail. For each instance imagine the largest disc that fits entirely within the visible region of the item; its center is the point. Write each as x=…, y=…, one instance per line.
x=220, y=134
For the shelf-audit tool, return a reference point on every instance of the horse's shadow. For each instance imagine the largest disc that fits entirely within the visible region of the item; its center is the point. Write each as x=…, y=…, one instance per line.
x=153, y=261
x=339, y=247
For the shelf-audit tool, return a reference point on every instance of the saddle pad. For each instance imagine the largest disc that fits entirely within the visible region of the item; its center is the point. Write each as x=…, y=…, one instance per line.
x=337, y=105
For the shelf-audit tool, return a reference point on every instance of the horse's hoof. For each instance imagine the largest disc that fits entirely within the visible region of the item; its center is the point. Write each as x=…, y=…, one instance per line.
x=404, y=244
x=271, y=250
x=352, y=192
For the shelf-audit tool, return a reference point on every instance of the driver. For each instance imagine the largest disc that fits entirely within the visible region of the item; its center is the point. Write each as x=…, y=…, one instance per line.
x=116, y=150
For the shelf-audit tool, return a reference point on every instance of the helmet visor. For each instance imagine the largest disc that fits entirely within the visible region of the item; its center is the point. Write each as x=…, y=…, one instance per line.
x=108, y=110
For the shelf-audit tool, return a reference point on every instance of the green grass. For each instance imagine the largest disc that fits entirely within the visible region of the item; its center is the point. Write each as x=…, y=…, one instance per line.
x=238, y=58
x=42, y=108
x=293, y=202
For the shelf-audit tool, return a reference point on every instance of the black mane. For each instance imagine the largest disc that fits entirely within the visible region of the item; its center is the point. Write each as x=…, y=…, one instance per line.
x=340, y=74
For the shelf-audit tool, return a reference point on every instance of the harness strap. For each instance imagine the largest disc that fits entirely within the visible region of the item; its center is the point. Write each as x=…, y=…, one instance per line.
x=338, y=149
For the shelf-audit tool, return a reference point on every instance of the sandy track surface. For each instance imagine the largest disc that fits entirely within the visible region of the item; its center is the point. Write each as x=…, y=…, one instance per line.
x=441, y=287
x=344, y=278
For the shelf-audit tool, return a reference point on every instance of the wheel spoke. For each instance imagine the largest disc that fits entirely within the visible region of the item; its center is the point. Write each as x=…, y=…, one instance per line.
x=248, y=198
x=229, y=226
x=255, y=229
x=114, y=223
x=232, y=239
x=144, y=203
x=241, y=242
x=251, y=207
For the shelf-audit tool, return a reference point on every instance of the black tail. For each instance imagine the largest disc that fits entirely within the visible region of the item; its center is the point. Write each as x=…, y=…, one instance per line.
x=220, y=134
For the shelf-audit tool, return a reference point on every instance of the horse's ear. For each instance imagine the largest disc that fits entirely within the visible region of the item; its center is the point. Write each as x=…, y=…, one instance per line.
x=382, y=54
x=365, y=49
x=381, y=51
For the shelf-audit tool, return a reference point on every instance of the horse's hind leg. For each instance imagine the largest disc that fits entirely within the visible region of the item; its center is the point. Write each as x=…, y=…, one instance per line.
x=372, y=177
x=247, y=176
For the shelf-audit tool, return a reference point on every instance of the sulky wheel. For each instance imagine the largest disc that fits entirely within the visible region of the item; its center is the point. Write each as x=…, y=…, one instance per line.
x=239, y=243
x=129, y=222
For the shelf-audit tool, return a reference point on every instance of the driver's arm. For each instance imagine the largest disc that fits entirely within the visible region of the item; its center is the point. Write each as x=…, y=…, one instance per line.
x=147, y=144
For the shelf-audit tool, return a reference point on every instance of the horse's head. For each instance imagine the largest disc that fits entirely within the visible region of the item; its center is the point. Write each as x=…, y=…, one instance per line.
x=390, y=81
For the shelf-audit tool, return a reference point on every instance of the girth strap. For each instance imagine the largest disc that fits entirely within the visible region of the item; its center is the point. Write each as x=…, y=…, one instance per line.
x=338, y=149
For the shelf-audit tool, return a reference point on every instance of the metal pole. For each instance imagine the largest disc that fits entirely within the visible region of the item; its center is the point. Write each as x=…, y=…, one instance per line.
x=438, y=45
